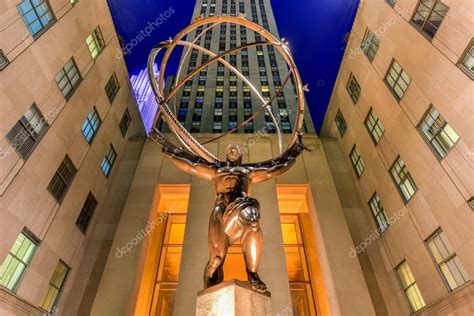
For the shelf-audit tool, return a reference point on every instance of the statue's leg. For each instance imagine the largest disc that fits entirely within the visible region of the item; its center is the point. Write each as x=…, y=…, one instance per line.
x=218, y=244
x=251, y=240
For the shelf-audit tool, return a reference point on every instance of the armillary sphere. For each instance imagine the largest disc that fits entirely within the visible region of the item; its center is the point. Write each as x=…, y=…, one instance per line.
x=183, y=136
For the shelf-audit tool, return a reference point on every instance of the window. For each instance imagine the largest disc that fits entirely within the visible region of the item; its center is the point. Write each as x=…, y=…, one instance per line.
x=108, y=161
x=438, y=132
x=87, y=212
x=95, y=42
x=378, y=212
x=62, y=179
x=357, y=162
x=370, y=44
x=125, y=122
x=112, y=87
x=403, y=179
x=68, y=78
x=446, y=260
x=17, y=259
x=91, y=125
x=36, y=14
x=428, y=16
x=397, y=80
x=55, y=286
x=353, y=88
x=341, y=123
x=374, y=126
x=409, y=286
x=391, y=2
x=28, y=131
x=3, y=60
x=466, y=63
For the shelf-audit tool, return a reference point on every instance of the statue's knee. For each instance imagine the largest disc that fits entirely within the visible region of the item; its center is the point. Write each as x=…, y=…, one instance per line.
x=215, y=262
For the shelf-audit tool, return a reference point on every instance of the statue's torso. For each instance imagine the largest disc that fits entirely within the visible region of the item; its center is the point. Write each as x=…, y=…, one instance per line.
x=231, y=179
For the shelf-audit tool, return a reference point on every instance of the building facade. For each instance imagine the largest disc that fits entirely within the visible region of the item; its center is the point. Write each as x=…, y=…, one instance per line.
x=216, y=100
x=67, y=112
x=402, y=113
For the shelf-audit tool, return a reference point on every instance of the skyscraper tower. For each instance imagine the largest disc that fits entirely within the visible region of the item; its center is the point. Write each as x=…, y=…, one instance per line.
x=215, y=100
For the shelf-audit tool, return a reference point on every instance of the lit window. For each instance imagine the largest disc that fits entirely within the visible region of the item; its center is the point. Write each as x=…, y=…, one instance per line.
x=467, y=61
x=341, y=123
x=87, y=212
x=218, y=111
x=374, y=126
x=397, y=80
x=429, y=15
x=125, y=122
x=17, y=260
x=378, y=212
x=409, y=286
x=438, y=132
x=357, y=161
x=403, y=179
x=95, y=42
x=200, y=88
x=265, y=88
x=36, y=14
x=68, y=78
x=219, y=88
x=353, y=88
x=370, y=44
x=55, y=286
x=62, y=179
x=108, y=161
x=91, y=125
x=112, y=87
x=233, y=88
x=446, y=260
x=27, y=132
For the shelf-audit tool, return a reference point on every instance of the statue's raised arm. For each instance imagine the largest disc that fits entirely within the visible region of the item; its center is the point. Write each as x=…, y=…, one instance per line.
x=274, y=167
x=190, y=163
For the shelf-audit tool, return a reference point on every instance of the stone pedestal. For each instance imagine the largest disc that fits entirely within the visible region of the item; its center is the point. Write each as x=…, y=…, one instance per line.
x=233, y=298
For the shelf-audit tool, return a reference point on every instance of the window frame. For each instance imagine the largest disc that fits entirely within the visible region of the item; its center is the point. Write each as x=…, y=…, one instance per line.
x=407, y=176
x=24, y=125
x=378, y=124
x=91, y=126
x=125, y=124
x=380, y=210
x=364, y=45
x=420, y=29
x=86, y=213
x=402, y=286
x=110, y=85
x=399, y=76
x=356, y=163
x=352, y=78
x=106, y=159
x=59, y=290
x=65, y=74
x=460, y=64
x=44, y=28
x=99, y=43
x=68, y=184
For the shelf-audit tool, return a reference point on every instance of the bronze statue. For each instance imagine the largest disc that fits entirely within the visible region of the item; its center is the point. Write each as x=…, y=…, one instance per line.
x=235, y=215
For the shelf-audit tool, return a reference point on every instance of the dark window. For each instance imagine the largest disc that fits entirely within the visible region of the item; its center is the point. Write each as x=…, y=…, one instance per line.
x=429, y=15
x=27, y=133
x=353, y=88
x=68, y=78
x=87, y=212
x=112, y=87
x=125, y=122
x=91, y=125
x=341, y=123
x=397, y=80
x=62, y=179
x=3, y=60
x=108, y=161
x=36, y=14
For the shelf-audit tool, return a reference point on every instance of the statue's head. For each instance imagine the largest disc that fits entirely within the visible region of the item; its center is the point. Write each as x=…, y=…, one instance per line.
x=234, y=154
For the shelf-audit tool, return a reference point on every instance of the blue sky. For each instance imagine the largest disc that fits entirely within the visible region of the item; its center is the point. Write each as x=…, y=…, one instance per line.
x=315, y=29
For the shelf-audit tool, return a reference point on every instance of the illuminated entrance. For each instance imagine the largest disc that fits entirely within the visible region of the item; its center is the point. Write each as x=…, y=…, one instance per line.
x=160, y=279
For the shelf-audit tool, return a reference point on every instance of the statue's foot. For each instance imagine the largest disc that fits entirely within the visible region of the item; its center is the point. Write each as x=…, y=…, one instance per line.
x=255, y=281
x=215, y=278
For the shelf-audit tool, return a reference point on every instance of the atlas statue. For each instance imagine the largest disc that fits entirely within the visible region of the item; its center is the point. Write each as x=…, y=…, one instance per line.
x=236, y=215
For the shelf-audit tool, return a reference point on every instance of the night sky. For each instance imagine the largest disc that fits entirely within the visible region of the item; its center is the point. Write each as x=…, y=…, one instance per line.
x=315, y=29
